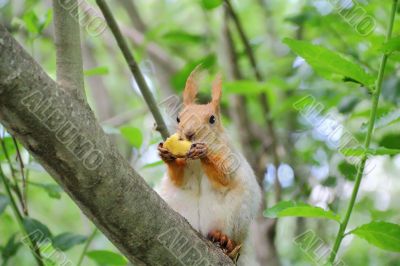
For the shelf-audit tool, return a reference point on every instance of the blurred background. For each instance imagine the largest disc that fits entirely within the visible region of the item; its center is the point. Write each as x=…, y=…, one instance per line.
x=169, y=38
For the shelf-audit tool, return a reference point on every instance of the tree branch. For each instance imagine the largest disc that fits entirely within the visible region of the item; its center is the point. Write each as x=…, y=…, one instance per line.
x=263, y=96
x=68, y=46
x=133, y=66
x=62, y=134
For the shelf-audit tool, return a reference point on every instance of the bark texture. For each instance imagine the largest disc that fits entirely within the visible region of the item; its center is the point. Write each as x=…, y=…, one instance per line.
x=68, y=46
x=61, y=132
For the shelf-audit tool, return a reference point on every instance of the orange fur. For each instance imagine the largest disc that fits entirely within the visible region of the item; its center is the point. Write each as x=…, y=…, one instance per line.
x=176, y=170
x=214, y=173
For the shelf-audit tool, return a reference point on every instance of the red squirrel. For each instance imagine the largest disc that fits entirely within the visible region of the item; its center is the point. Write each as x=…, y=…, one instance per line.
x=213, y=185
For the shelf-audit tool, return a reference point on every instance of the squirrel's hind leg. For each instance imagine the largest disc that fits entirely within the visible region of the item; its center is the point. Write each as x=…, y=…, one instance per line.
x=228, y=246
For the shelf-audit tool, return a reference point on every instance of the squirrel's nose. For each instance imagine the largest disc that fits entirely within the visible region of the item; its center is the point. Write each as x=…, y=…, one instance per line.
x=189, y=135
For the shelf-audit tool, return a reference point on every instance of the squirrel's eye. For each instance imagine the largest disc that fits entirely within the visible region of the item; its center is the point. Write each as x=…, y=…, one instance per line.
x=212, y=119
x=178, y=120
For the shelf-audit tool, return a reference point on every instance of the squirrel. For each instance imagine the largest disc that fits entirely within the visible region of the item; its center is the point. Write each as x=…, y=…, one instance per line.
x=212, y=186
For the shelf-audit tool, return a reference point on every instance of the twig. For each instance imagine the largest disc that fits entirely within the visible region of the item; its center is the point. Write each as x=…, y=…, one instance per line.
x=133, y=66
x=15, y=186
x=87, y=244
x=32, y=244
x=262, y=97
x=371, y=123
x=24, y=187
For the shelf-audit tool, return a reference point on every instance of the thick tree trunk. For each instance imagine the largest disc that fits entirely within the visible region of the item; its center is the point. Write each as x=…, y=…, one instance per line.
x=62, y=134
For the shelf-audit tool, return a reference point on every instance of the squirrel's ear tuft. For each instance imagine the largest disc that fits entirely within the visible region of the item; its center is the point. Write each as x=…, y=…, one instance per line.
x=190, y=92
x=216, y=91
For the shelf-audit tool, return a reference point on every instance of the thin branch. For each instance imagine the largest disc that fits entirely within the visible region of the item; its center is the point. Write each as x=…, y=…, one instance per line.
x=263, y=97
x=86, y=247
x=18, y=216
x=68, y=45
x=133, y=66
x=15, y=186
x=238, y=108
x=368, y=137
x=22, y=171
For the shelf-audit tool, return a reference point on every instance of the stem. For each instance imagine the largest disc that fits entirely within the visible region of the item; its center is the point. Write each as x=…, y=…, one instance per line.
x=263, y=97
x=15, y=186
x=87, y=244
x=133, y=66
x=32, y=245
x=24, y=188
x=372, y=118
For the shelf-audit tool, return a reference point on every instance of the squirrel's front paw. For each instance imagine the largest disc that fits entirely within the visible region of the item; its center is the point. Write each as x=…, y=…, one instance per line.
x=197, y=151
x=228, y=246
x=165, y=154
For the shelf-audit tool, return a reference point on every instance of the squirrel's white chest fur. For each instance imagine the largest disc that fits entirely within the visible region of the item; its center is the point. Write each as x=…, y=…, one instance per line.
x=207, y=208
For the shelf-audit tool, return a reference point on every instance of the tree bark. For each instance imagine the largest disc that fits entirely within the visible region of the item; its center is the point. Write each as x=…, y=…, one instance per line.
x=61, y=132
x=68, y=46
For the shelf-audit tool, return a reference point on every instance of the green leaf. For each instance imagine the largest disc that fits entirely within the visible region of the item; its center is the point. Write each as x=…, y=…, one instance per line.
x=46, y=20
x=10, y=147
x=151, y=165
x=10, y=248
x=328, y=63
x=53, y=190
x=387, y=119
x=348, y=103
x=245, y=87
x=349, y=171
x=105, y=257
x=31, y=21
x=357, y=152
x=391, y=46
x=133, y=135
x=390, y=141
x=179, y=79
x=4, y=201
x=179, y=36
x=36, y=230
x=211, y=4
x=97, y=71
x=383, y=235
x=67, y=240
x=299, y=209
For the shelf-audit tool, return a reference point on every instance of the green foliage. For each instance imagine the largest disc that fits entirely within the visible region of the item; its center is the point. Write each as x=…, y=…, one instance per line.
x=245, y=87
x=67, y=240
x=37, y=230
x=10, y=248
x=105, y=257
x=380, y=234
x=4, y=201
x=9, y=146
x=101, y=70
x=133, y=135
x=390, y=141
x=53, y=190
x=182, y=37
x=391, y=46
x=299, y=209
x=330, y=64
x=211, y=4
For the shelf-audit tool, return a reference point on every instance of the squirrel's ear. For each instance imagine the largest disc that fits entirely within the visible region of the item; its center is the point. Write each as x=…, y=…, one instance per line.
x=216, y=91
x=190, y=92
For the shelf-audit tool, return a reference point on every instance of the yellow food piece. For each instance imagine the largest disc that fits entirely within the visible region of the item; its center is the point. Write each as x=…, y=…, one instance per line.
x=176, y=146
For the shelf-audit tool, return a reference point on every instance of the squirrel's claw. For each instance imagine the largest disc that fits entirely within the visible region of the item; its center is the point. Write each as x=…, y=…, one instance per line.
x=228, y=246
x=197, y=151
x=165, y=154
